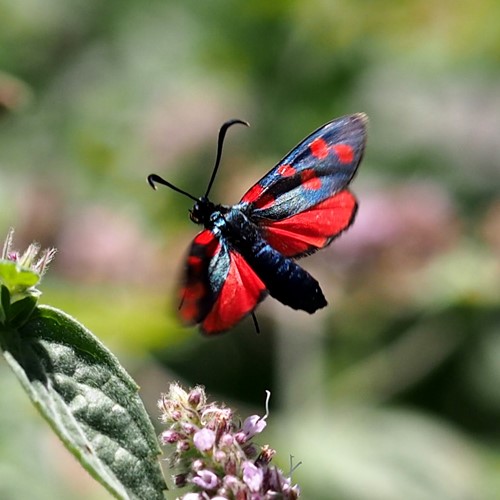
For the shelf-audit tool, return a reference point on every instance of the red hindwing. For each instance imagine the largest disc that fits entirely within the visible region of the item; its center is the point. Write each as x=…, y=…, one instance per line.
x=238, y=297
x=313, y=229
x=219, y=288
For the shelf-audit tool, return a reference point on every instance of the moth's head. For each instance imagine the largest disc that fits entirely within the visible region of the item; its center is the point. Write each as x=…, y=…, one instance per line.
x=201, y=211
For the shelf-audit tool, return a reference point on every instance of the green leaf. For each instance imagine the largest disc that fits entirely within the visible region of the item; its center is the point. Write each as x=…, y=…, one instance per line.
x=17, y=313
x=4, y=303
x=89, y=400
x=17, y=277
x=20, y=311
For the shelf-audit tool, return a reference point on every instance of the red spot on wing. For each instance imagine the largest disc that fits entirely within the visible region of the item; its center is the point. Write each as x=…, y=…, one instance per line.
x=195, y=261
x=313, y=229
x=310, y=180
x=253, y=193
x=204, y=238
x=344, y=152
x=258, y=197
x=313, y=184
x=240, y=294
x=286, y=170
x=319, y=148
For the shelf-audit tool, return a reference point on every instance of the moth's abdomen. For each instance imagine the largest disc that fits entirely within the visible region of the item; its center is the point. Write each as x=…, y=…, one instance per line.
x=285, y=280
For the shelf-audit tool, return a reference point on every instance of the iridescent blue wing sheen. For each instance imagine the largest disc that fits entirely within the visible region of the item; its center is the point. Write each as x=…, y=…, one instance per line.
x=303, y=202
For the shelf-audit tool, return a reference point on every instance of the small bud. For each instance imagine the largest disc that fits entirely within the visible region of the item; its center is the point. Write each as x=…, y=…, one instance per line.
x=226, y=440
x=188, y=428
x=170, y=437
x=240, y=437
x=220, y=456
x=198, y=465
x=180, y=480
x=176, y=415
x=196, y=397
x=204, y=439
x=182, y=446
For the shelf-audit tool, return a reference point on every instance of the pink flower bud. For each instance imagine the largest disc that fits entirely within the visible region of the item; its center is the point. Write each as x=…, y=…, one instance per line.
x=204, y=439
x=170, y=437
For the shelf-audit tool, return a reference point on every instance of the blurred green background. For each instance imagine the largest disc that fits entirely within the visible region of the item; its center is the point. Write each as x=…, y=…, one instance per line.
x=391, y=392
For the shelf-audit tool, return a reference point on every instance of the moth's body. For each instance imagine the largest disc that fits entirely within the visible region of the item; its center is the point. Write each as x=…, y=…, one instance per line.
x=248, y=250
x=285, y=280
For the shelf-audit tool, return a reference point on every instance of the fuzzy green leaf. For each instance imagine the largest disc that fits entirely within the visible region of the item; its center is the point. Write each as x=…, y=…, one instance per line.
x=89, y=400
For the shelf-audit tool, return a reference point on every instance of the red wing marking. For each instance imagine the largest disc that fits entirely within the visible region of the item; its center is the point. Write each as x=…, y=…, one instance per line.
x=286, y=170
x=310, y=180
x=195, y=261
x=344, y=152
x=195, y=294
x=319, y=148
x=313, y=229
x=204, y=238
x=253, y=193
x=239, y=296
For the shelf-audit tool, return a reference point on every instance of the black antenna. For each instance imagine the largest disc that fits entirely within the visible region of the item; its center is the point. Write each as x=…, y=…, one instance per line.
x=220, y=142
x=152, y=178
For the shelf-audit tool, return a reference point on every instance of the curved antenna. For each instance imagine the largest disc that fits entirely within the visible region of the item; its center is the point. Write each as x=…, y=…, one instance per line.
x=153, y=178
x=220, y=142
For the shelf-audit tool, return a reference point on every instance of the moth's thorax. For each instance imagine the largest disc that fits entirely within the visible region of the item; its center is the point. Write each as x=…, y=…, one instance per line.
x=225, y=221
x=205, y=212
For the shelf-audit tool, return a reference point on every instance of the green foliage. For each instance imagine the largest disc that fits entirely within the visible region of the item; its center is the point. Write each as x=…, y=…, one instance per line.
x=88, y=399
x=15, y=277
x=14, y=314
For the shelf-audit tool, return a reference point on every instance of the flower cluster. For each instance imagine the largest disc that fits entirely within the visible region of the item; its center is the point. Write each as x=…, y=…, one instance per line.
x=214, y=455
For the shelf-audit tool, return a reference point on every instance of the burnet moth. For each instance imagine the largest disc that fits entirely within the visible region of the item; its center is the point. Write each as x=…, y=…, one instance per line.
x=248, y=250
